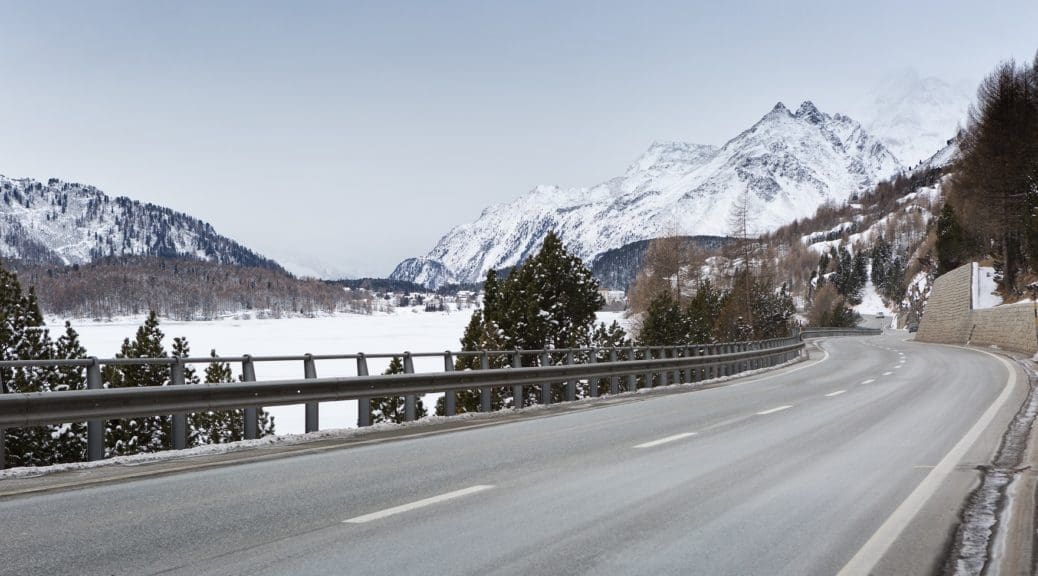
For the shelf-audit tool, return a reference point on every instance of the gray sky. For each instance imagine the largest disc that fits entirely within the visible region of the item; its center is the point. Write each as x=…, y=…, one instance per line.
x=359, y=132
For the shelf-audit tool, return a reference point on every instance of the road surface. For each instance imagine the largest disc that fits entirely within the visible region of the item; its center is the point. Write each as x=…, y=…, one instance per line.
x=785, y=473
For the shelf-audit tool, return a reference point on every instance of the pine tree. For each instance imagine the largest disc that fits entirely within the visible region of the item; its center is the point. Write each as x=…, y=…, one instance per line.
x=702, y=312
x=604, y=339
x=951, y=242
x=549, y=301
x=480, y=334
x=663, y=324
x=23, y=336
x=69, y=440
x=146, y=433
x=229, y=425
x=392, y=408
x=881, y=254
x=199, y=424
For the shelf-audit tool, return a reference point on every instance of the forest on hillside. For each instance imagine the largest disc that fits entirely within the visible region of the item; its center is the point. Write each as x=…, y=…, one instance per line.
x=182, y=289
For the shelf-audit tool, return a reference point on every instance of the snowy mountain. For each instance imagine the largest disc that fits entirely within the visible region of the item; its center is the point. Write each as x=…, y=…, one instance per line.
x=785, y=165
x=424, y=271
x=914, y=116
x=61, y=222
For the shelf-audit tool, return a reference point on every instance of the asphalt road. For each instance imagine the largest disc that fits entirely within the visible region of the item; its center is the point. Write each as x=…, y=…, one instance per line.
x=797, y=472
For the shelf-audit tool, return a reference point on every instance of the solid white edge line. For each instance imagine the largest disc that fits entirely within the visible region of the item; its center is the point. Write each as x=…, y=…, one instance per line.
x=773, y=410
x=870, y=554
x=837, y=393
x=419, y=504
x=665, y=440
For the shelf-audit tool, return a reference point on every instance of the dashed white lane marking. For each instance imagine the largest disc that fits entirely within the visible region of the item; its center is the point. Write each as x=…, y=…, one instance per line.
x=869, y=381
x=419, y=504
x=773, y=410
x=887, y=373
x=837, y=393
x=869, y=555
x=665, y=440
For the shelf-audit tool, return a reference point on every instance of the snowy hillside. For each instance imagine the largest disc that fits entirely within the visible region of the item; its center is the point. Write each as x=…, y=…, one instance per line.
x=787, y=164
x=68, y=223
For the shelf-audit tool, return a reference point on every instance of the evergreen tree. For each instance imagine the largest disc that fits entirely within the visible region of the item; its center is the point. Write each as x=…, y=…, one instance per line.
x=702, y=312
x=229, y=425
x=881, y=254
x=951, y=241
x=69, y=440
x=664, y=324
x=392, y=408
x=23, y=336
x=142, y=434
x=480, y=334
x=548, y=302
x=604, y=339
x=199, y=424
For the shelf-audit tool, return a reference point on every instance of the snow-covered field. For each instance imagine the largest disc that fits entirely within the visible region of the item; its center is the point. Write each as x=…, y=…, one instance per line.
x=406, y=330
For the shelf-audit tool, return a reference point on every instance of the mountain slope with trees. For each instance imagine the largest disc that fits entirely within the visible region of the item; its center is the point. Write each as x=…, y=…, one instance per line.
x=61, y=222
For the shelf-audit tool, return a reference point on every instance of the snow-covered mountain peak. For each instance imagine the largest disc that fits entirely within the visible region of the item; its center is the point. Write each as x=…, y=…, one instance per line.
x=779, y=109
x=672, y=157
x=788, y=164
x=809, y=112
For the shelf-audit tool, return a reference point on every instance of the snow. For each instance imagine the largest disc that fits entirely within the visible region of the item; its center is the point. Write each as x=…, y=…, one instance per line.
x=871, y=302
x=410, y=329
x=984, y=286
x=915, y=116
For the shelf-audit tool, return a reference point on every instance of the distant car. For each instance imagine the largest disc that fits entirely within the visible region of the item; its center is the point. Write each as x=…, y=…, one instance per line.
x=880, y=315
x=913, y=326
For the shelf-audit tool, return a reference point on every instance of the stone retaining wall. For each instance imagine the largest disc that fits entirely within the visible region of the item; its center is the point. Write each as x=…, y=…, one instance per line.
x=950, y=319
x=947, y=316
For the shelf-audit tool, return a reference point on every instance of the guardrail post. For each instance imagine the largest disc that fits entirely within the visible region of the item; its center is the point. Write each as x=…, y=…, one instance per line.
x=592, y=383
x=715, y=369
x=546, y=387
x=248, y=374
x=450, y=397
x=693, y=373
x=310, y=371
x=95, y=427
x=675, y=377
x=484, y=392
x=410, y=400
x=647, y=355
x=571, y=384
x=363, y=404
x=632, y=378
x=179, y=418
x=517, y=389
x=614, y=381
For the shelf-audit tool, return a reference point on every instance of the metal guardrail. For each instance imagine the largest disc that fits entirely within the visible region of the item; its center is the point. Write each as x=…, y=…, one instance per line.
x=653, y=366
x=819, y=332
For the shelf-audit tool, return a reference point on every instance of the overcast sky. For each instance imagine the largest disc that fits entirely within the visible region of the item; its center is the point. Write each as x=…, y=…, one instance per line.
x=358, y=133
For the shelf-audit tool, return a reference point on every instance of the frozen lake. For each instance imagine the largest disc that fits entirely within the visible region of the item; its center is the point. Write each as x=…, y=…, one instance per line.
x=407, y=330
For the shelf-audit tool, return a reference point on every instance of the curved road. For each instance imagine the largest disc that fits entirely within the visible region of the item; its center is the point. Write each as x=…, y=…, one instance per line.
x=794, y=472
